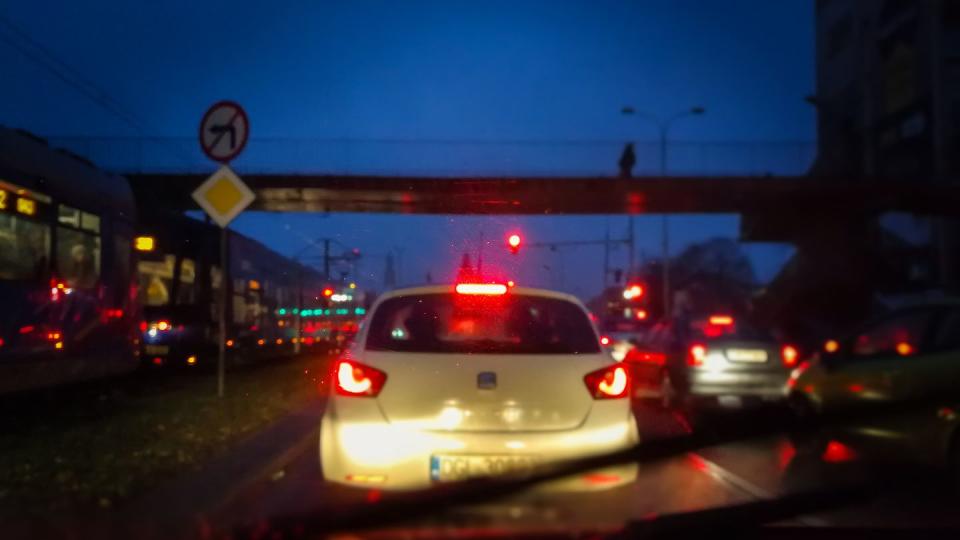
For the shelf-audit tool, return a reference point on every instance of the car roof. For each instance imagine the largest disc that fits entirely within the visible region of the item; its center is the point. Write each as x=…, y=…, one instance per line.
x=449, y=289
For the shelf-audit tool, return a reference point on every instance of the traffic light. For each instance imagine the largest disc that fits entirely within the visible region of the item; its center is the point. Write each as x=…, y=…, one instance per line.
x=513, y=242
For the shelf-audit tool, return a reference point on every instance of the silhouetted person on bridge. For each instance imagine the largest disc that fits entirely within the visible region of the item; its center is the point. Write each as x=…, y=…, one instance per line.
x=627, y=160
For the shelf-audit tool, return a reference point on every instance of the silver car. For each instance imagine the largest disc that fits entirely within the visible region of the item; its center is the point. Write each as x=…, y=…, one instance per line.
x=710, y=360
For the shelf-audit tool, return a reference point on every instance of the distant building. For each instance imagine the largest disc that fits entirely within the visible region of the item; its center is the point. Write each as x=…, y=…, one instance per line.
x=888, y=101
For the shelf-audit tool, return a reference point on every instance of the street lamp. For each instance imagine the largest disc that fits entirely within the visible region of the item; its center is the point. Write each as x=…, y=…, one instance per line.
x=663, y=125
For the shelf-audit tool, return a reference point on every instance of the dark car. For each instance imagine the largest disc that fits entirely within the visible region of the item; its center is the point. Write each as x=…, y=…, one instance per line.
x=710, y=360
x=909, y=358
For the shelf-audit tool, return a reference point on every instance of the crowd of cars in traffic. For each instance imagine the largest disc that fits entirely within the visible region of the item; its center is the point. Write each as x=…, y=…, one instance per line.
x=476, y=379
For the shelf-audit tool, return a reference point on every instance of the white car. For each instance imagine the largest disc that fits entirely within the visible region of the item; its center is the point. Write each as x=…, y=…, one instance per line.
x=445, y=383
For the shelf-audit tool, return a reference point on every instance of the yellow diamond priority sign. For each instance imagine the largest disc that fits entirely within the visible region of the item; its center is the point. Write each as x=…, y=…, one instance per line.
x=223, y=196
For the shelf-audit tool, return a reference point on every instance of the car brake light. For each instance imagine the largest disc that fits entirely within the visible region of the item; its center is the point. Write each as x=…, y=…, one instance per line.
x=698, y=353
x=790, y=355
x=721, y=320
x=610, y=382
x=645, y=357
x=604, y=340
x=354, y=379
x=163, y=326
x=481, y=288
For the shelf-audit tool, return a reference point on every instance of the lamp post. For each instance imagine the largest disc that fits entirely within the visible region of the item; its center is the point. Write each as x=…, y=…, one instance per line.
x=663, y=126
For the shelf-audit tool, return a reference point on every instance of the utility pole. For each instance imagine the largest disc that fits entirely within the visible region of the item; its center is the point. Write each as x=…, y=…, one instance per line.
x=480, y=256
x=298, y=328
x=665, y=225
x=326, y=259
x=399, y=252
x=631, y=242
x=389, y=274
x=663, y=126
x=606, y=256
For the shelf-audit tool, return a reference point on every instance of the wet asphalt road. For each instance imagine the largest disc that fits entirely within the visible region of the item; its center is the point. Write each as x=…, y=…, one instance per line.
x=714, y=477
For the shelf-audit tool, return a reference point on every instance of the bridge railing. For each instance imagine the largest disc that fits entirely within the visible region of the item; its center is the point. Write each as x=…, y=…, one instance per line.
x=449, y=158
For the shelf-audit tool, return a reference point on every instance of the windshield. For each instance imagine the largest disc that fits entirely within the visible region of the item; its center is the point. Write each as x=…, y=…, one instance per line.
x=450, y=323
x=484, y=268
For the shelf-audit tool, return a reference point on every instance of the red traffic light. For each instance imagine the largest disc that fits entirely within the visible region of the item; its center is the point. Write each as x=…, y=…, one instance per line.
x=328, y=292
x=513, y=242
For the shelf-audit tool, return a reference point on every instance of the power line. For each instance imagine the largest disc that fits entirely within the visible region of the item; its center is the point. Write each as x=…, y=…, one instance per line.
x=60, y=69
x=47, y=59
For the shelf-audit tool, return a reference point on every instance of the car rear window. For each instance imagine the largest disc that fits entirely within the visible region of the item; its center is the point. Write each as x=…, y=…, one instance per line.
x=508, y=324
x=728, y=329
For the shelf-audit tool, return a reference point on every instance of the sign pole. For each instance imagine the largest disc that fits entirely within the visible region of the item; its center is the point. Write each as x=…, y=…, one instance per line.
x=224, y=130
x=222, y=309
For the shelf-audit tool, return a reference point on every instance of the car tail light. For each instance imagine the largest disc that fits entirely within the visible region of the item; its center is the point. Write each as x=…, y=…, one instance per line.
x=790, y=355
x=608, y=383
x=646, y=357
x=604, y=340
x=355, y=379
x=481, y=288
x=721, y=320
x=696, y=355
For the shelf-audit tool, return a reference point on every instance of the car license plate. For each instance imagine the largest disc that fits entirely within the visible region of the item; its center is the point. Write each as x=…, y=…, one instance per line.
x=157, y=349
x=746, y=355
x=453, y=468
x=734, y=402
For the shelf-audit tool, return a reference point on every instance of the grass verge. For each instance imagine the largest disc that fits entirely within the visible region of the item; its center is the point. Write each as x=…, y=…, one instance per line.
x=94, y=448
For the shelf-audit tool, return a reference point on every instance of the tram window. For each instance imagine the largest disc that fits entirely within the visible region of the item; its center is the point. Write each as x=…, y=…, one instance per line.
x=78, y=258
x=24, y=248
x=187, y=292
x=89, y=222
x=68, y=216
x=156, y=280
x=239, y=309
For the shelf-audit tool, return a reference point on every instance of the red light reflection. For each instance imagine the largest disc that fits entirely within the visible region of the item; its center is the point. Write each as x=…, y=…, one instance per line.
x=837, y=452
x=785, y=454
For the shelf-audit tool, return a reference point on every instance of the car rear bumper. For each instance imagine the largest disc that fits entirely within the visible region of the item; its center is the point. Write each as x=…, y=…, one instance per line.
x=760, y=385
x=359, y=447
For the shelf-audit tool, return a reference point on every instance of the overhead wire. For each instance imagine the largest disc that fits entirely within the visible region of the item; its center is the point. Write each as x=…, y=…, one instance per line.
x=21, y=41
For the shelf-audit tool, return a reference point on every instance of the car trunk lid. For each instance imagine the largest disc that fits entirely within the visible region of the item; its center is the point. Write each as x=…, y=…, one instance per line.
x=485, y=392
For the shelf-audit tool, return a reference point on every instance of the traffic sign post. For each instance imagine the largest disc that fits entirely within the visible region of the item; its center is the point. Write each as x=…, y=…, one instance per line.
x=224, y=131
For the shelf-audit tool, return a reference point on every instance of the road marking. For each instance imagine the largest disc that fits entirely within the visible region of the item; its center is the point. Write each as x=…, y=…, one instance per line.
x=735, y=481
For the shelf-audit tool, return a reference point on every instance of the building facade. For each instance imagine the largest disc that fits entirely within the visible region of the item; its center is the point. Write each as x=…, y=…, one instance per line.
x=888, y=103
